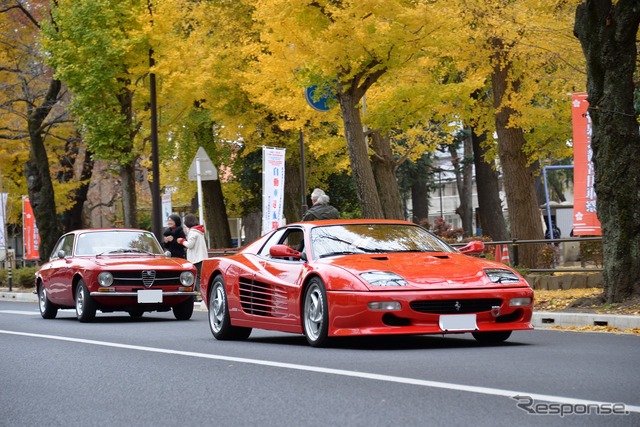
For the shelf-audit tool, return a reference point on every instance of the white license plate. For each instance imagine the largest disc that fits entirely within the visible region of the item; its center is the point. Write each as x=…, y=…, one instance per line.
x=150, y=295
x=458, y=322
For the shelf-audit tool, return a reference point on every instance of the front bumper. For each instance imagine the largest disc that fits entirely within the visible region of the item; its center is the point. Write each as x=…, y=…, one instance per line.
x=135, y=294
x=350, y=313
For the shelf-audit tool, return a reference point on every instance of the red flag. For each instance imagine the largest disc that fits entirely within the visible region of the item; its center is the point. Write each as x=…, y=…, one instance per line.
x=29, y=231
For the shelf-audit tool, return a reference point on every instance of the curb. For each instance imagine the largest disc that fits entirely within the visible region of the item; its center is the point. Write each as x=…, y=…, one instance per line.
x=539, y=320
x=15, y=296
x=548, y=319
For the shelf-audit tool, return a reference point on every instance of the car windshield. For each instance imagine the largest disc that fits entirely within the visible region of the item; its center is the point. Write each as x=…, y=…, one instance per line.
x=117, y=242
x=373, y=238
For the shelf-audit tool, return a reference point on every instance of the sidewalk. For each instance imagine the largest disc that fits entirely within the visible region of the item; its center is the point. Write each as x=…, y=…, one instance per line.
x=540, y=320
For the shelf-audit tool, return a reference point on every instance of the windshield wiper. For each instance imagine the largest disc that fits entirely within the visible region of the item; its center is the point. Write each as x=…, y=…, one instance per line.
x=339, y=253
x=126, y=251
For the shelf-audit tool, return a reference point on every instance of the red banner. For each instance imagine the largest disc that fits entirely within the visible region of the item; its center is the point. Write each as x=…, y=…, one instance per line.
x=29, y=231
x=585, y=219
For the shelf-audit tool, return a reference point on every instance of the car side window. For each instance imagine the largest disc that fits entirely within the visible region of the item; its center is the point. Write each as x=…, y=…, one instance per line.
x=292, y=237
x=65, y=244
x=274, y=240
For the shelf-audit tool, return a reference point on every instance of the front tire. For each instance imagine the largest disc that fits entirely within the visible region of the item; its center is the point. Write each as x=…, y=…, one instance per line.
x=315, y=314
x=184, y=310
x=219, y=319
x=47, y=309
x=491, y=337
x=85, y=305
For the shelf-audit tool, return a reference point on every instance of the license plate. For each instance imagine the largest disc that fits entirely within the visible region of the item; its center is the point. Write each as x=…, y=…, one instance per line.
x=150, y=295
x=458, y=322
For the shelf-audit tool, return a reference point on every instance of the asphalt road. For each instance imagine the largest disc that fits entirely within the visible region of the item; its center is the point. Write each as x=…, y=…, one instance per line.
x=157, y=371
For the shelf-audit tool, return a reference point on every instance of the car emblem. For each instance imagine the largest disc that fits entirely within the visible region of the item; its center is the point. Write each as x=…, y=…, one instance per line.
x=148, y=276
x=457, y=306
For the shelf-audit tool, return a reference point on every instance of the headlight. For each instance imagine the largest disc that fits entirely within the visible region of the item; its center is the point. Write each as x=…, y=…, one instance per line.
x=105, y=278
x=497, y=275
x=186, y=278
x=383, y=278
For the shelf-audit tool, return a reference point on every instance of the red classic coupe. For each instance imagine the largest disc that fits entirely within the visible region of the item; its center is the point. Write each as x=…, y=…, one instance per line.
x=339, y=278
x=114, y=270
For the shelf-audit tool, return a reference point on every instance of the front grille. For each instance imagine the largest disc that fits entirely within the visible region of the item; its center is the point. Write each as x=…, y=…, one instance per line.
x=262, y=299
x=146, y=278
x=455, y=306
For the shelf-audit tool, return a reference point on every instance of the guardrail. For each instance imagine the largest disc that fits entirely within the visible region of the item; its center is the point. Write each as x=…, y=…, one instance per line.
x=558, y=265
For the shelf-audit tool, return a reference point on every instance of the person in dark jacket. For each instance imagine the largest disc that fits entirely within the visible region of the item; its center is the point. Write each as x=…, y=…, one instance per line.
x=321, y=208
x=171, y=235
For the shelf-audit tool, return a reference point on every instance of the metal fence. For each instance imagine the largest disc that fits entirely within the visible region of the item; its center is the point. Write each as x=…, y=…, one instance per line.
x=569, y=261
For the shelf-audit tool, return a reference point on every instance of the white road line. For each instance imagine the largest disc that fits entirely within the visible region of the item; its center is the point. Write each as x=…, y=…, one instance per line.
x=27, y=313
x=341, y=372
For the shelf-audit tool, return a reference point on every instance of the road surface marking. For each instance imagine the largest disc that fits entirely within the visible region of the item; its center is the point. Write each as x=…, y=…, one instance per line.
x=341, y=372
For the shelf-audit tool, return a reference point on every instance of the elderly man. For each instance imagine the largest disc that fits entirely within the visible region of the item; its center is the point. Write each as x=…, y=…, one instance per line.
x=321, y=208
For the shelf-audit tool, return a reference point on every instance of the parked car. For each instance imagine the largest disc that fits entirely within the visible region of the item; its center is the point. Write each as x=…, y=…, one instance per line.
x=114, y=270
x=339, y=278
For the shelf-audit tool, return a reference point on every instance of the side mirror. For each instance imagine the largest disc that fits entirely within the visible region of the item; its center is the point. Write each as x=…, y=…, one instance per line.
x=473, y=247
x=284, y=251
x=167, y=254
x=61, y=254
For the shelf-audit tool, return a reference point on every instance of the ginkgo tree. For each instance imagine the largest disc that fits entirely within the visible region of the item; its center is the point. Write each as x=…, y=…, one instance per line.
x=39, y=139
x=531, y=63
x=98, y=50
x=608, y=33
x=346, y=47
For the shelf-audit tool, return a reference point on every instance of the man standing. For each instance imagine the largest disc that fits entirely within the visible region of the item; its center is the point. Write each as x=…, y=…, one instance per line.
x=321, y=208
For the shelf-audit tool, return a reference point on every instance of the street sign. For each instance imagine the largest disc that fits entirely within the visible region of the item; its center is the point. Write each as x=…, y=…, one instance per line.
x=208, y=171
x=322, y=102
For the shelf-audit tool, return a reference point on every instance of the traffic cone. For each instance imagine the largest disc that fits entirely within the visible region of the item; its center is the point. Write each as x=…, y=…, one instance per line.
x=498, y=253
x=505, y=255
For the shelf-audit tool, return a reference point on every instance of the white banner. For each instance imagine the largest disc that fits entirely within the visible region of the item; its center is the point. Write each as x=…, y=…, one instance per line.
x=166, y=208
x=3, y=217
x=272, y=187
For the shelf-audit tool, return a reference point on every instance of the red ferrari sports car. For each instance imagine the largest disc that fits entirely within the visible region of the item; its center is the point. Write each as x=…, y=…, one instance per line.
x=114, y=270
x=338, y=278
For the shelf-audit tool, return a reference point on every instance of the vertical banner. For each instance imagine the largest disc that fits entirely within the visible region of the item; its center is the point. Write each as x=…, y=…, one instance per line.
x=272, y=187
x=585, y=219
x=29, y=231
x=3, y=221
x=166, y=208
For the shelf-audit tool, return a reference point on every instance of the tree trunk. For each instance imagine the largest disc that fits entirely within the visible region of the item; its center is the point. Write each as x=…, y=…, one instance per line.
x=607, y=33
x=129, y=199
x=464, y=182
x=519, y=180
x=292, y=190
x=38, y=175
x=251, y=224
x=420, y=200
x=358, y=154
x=384, y=168
x=77, y=165
x=490, y=213
x=215, y=213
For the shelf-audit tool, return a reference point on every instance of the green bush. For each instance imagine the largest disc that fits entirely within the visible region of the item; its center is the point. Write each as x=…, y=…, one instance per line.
x=20, y=277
